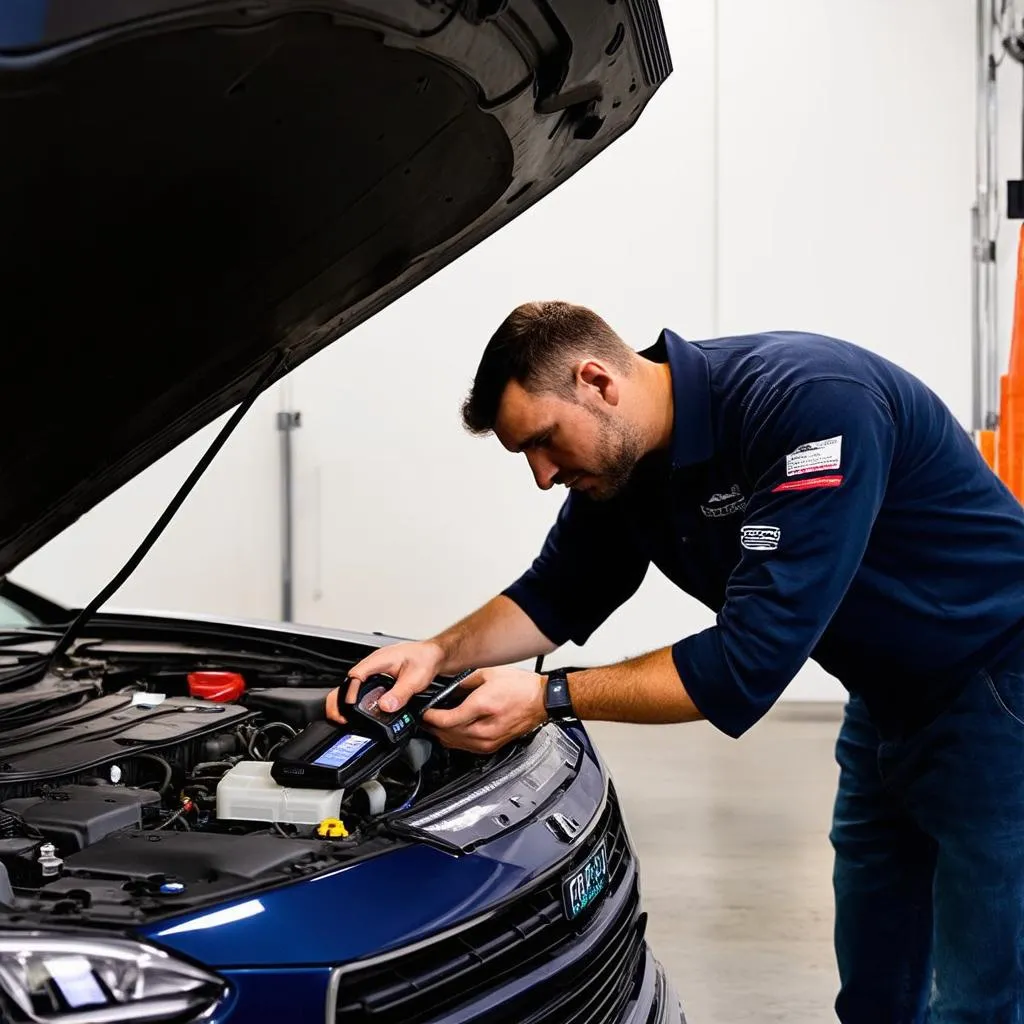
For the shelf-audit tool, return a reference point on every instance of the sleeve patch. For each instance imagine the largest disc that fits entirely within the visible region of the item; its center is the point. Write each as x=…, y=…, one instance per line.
x=816, y=457
x=760, y=538
x=810, y=484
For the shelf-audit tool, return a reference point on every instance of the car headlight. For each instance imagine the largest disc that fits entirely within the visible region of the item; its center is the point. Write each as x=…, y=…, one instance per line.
x=503, y=799
x=82, y=980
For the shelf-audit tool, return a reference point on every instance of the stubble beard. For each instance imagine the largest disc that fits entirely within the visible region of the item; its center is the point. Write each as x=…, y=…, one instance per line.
x=623, y=447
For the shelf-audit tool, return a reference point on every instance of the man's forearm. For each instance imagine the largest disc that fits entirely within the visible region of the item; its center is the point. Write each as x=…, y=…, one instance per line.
x=642, y=690
x=499, y=633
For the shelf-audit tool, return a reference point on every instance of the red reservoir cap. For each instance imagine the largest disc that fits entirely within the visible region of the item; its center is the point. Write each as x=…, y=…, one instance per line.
x=221, y=686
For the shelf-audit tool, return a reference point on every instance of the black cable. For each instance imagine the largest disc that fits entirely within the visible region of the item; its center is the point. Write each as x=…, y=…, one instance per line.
x=290, y=729
x=203, y=766
x=168, y=772
x=262, y=732
x=168, y=514
x=176, y=816
x=274, y=749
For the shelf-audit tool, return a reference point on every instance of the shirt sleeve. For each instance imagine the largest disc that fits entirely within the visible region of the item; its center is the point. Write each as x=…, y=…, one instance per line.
x=588, y=566
x=820, y=458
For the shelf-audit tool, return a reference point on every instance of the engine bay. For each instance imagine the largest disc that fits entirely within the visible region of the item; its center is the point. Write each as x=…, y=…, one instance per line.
x=142, y=786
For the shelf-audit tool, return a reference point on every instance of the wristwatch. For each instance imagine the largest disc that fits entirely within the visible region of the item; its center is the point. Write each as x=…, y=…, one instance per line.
x=557, y=701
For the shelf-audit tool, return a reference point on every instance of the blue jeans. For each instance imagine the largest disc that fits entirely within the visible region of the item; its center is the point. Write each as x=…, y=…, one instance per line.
x=928, y=833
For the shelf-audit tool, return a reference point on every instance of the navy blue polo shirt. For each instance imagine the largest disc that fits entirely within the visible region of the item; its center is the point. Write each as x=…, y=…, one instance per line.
x=827, y=506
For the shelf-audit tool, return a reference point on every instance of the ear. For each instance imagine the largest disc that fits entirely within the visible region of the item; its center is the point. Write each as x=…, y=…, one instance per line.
x=596, y=376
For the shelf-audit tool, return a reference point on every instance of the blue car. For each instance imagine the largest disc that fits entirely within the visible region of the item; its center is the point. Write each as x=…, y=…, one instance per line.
x=197, y=196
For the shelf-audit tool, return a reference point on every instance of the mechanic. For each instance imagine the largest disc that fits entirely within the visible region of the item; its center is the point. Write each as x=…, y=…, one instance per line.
x=826, y=505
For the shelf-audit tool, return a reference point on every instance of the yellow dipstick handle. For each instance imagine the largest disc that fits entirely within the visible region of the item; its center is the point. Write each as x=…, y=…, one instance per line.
x=332, y=828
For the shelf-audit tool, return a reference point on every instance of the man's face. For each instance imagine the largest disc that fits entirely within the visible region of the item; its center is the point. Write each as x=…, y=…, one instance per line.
x=587, y=444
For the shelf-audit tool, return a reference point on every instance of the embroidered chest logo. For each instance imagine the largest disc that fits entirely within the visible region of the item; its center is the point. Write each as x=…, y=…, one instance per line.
x=719, y=505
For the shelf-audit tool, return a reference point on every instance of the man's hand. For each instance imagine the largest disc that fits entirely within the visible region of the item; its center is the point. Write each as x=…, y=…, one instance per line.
x=413, y=666
x=499, y=633
x=505, y=703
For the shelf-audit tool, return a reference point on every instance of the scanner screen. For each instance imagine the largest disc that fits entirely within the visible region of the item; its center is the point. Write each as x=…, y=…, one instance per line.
x=342, y=751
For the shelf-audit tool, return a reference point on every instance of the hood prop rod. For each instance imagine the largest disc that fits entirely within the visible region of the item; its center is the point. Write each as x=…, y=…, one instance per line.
x=168, y=514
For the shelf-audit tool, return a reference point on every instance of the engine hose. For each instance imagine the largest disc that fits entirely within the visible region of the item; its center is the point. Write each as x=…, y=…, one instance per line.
x=412, y=797
x=417, y=753
x=262, y=731
x=274, y=749
x=279, y=725
x=376, y=796
x=168, y=773
x=198, y=769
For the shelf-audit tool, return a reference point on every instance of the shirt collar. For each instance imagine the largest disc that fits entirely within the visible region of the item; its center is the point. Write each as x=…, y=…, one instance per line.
x=692, y=437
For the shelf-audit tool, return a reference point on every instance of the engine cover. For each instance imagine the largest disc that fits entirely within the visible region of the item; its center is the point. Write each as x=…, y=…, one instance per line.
x=75, y=817
x=107, y=730
x=190, y=856
x=37, y=700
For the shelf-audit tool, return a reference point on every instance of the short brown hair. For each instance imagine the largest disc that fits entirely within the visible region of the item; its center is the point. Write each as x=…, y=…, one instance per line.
x=534, y=345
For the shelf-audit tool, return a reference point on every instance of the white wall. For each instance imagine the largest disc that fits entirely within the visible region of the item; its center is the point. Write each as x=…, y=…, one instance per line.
x=220, y=553
x=845, y=183
x=813, y=169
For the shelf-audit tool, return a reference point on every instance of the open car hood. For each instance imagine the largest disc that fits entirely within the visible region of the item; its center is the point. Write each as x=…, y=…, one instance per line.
x=196, y=193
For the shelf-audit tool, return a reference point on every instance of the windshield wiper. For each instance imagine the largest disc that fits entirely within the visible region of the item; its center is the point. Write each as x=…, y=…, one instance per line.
x=168, y=514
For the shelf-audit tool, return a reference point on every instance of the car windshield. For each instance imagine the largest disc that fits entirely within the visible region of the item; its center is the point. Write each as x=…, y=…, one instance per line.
x=25, y=610
x=14, y=616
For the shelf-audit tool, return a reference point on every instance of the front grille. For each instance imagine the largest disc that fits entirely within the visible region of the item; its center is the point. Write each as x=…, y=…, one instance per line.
x=422, y=985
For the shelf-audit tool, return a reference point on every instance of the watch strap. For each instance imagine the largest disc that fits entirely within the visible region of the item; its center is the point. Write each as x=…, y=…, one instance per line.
x=557, y=701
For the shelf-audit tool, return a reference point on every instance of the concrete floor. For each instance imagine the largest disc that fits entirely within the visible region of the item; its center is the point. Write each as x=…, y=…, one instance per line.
x=733, y=842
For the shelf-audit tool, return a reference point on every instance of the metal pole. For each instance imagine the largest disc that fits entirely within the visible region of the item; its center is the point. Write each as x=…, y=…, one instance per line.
x=977, y=369
x=992, y=221
x=984, y=219
x=979, y=212
x=286, y=423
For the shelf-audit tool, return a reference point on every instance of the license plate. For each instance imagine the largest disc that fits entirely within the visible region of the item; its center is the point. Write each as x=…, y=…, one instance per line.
x=584, y=885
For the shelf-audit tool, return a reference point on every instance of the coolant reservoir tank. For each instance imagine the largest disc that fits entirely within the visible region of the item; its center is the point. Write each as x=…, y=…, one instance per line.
x=248, y=793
